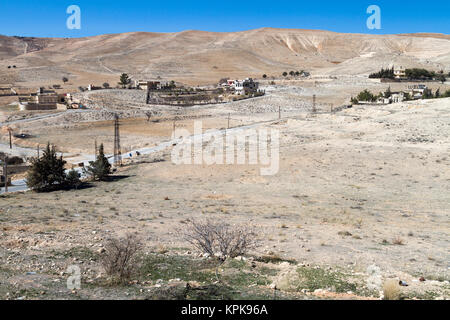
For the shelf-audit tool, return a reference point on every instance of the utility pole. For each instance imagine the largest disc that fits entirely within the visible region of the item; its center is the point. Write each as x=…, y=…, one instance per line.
x=10, y=138
x=38, y=152
x=279, y=113
x=229, y=115
x=5, y=173
x=314, y=109
x=117, y=150
x=95, y=154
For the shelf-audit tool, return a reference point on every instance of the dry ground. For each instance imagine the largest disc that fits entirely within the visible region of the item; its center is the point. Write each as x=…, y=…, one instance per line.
x=365, y=186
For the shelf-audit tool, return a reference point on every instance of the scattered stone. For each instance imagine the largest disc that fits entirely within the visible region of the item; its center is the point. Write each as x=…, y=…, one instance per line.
x=101, y=250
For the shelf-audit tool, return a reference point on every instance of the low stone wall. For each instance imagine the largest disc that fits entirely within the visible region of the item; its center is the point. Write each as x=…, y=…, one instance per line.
x=35, y=106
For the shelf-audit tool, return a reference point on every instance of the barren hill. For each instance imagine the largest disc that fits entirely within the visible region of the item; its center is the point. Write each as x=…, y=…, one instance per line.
x=201, y=57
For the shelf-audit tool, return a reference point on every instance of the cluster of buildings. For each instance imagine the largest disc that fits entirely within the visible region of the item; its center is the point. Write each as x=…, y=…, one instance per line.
x=242, y=87
x=47, y=100
x=149, y=85
x=42, y=100
x=413, y=92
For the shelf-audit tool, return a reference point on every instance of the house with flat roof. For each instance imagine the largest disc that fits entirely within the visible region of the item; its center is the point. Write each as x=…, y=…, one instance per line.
x=399, y=73
x=245, y=86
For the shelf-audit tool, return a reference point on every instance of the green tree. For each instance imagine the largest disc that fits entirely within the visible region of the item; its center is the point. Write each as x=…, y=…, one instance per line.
x=441, y=78
x=99, y=169
x=383, y=74
x=388, y=93
x=285, y=74
x=124, y=80
x=73, y=179
x=47, y=173
x=366, y=95
x=264, y=76
x=427, y=94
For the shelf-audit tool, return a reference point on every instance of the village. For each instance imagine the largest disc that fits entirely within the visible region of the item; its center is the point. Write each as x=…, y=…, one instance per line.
x=158, y=93
x=171, y=94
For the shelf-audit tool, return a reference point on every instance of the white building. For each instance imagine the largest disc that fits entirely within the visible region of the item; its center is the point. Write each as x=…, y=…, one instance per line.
x=399, y=73
x=417, y=91
x=245, y=86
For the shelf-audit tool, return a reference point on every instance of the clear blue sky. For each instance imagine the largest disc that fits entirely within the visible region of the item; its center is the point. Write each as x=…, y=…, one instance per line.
x=47, y=18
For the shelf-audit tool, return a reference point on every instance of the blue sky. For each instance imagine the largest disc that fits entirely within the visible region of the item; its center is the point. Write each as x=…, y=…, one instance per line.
x=47, y=18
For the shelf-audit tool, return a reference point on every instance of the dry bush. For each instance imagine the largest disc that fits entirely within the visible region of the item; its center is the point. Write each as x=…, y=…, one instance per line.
x=219, y=239
x=391, y=290
x=120, y=259
x=398, y=241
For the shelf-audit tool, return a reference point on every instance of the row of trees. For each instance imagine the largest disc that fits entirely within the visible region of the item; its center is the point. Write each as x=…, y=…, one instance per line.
x=48, y=172
x=411, y=74
x=423, y=74
x=292, y=74
x=383, y=74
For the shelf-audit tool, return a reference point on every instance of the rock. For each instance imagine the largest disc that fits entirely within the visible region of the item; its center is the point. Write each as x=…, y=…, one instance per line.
x=101, y=250
x=319, y=291
x=240, y=258
x=218, y=255
x=403, y=283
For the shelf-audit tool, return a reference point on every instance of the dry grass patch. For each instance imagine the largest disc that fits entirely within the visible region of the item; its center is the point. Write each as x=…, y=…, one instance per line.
x=391, y=290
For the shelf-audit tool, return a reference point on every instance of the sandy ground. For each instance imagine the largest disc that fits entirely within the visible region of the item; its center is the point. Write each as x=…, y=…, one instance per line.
x=361, y=187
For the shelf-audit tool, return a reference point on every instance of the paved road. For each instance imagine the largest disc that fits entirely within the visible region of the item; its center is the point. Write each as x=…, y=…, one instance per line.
x=20, y=185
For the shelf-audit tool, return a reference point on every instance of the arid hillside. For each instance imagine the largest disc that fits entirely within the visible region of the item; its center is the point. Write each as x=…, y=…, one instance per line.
x=202, y=57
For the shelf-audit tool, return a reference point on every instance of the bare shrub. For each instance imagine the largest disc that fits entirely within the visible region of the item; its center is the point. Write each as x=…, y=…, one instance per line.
x=219, y=239
x=398, y=241
x=391, y=290
x=120, y=259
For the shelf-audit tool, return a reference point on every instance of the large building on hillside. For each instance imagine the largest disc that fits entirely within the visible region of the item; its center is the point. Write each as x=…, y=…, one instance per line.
x=246, y=86
x=399, y=73
x=42, y=100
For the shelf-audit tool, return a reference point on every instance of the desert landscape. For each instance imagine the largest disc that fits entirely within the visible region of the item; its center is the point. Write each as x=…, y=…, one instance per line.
x=359, y=208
